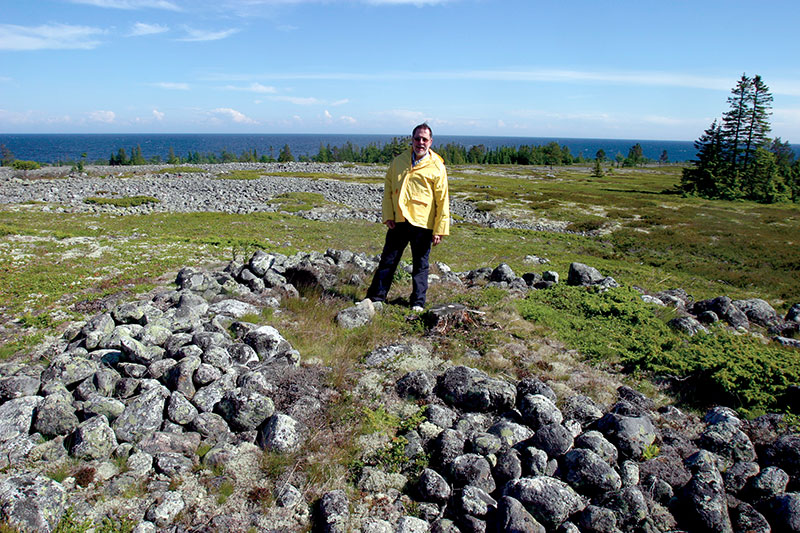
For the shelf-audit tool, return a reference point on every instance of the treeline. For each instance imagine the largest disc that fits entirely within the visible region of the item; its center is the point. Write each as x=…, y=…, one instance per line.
x=551, y=154
x=736, y=158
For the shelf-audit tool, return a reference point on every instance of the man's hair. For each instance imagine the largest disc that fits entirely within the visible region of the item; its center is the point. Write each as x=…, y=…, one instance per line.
x=423, y=126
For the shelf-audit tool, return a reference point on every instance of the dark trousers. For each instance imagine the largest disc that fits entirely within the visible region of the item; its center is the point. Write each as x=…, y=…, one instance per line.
x=397, y=239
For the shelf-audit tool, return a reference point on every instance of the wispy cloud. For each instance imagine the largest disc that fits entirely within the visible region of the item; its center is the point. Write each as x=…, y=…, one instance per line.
x=172, y=86
x=102, y=116
x=48, y=37
x=131, y=4
x=297, y=100
x=234, y=115
x=141, y=28
x=158, y=115
x=253, y=88
x=644, y=78
x=340, y=102
x=195, y=35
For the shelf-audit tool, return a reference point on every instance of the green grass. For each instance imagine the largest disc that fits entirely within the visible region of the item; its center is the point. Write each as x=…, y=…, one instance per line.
x=292, y=202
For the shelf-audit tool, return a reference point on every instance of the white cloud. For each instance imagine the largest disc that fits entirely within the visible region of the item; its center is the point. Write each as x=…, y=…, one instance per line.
x=340, y=102
x=195, y=35
x=158, y=115
x=234, y=115
x=102, y=116
x=141, y=28
x=328, y=116
x=131, y=4
x=171, y=85
x=48, y=37
x=254, y=88
x=347, y=119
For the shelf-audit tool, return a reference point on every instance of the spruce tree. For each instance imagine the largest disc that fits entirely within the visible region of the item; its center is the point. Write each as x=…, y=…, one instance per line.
x=757, y=120
x=705, y=177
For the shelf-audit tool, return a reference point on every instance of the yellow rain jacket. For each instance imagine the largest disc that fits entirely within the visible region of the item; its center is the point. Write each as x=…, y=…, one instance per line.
x=418, y=195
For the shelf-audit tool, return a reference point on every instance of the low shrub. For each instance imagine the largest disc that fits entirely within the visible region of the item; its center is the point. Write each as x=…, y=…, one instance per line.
x=618, y=328
x=25, y=165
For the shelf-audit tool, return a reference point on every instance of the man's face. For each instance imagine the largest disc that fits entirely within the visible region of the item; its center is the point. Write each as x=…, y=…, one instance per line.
x=421, y=141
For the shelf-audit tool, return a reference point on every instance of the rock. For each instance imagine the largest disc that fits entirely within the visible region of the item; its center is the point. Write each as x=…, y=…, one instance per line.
x=411, y=524
x=245, y=410
x=55, y=415
x=163, y=513
x=16, y=416
x=472, y=469
x=783, y=512
x=12, y=387
x=281, y=433
x=502, y=273
x=31, y=502
x=356, y=316
x=432, y=487
x=141, y=416
x=475, y=501
x=744, y=517
x=582, y=409
x=630, y=434
x=580, y=274
x=416, y=384
x=757, y=311
x=687, y=325
x=727, y=441
x=93, y=440
x=553, y=439
x=549, y=500
x=267, y=342
x=596, y=442
x=588, y=473
x=473, y=390
x=724, y=308
x=512, y=517
x=538, y=410
x=334, y=512
x=704, y=496
x=533, y=385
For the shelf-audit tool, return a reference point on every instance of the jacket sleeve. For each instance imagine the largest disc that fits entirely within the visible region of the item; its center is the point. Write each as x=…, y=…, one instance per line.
x=388, y=203
x=441, y=203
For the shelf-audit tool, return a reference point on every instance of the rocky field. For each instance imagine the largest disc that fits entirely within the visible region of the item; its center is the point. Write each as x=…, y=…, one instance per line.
x=189, y=410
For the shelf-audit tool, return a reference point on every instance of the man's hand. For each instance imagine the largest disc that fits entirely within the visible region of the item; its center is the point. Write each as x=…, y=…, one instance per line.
x=389, y=224
x=437, y=239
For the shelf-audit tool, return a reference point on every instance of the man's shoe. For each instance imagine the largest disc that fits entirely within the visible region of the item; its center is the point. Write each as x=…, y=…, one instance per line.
x=418, y=309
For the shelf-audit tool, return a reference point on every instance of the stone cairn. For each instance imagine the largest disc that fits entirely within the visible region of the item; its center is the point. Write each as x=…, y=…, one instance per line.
x=136, y=391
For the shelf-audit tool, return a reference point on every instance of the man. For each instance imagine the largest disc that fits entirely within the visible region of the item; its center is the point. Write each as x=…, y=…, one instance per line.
x=416, y=209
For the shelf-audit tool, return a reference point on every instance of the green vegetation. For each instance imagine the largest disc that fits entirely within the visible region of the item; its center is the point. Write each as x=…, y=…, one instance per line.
x=25, y=165
x=123, y=201
x=618, y=329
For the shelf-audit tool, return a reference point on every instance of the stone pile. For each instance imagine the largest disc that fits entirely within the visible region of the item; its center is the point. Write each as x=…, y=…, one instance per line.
x=137, y=391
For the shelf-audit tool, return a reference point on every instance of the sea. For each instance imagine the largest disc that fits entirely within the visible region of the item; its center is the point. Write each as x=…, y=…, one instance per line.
x=66, y=148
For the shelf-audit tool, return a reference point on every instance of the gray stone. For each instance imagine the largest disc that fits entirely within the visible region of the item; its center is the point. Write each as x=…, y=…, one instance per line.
x=267, y=342
x=688, y=325
x=357, y=315
x=630, y=434
x=416, y=384
x=93, y=440
x=472, y=469
x=32, y=502
x=16, y=416
x=164, y=512
x=704, y=495
x=588, y=473
x=12, y=387
x=334, y=512
x=55, y=415
x=473, y=390
x=281, y=433
x=538, y=410
x=142, y=415
x=432, y=487
x=549, y=500
x=245, y=410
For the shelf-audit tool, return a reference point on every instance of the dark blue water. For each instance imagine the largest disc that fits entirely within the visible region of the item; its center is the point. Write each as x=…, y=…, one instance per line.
x=47, y=148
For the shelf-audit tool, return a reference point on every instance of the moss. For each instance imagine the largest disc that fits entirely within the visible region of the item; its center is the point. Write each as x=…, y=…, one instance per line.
x=124, y=201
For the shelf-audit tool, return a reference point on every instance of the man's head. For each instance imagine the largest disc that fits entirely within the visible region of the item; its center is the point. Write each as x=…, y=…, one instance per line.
x=421, y=140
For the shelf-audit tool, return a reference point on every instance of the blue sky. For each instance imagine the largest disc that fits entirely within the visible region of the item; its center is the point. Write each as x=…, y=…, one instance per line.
x=588, y=68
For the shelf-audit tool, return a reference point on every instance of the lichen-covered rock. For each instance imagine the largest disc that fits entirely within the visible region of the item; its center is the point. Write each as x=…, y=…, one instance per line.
x=55, y=416
x=549, y=500
x=267, y=342
x=538, y=410
x=473, y=390
x=416, y=384
x=357, y=315
x=432, y=487
x=163, y=513
x=142, y=415
x=245, y=410
x=16, y=416
x=334, y=512
x=705, y=504
x=31, y=502
x=631, y=434
x=281, y=433
x=472, y=469
x=93, y=440
x=588, y=473
x=512, y=517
